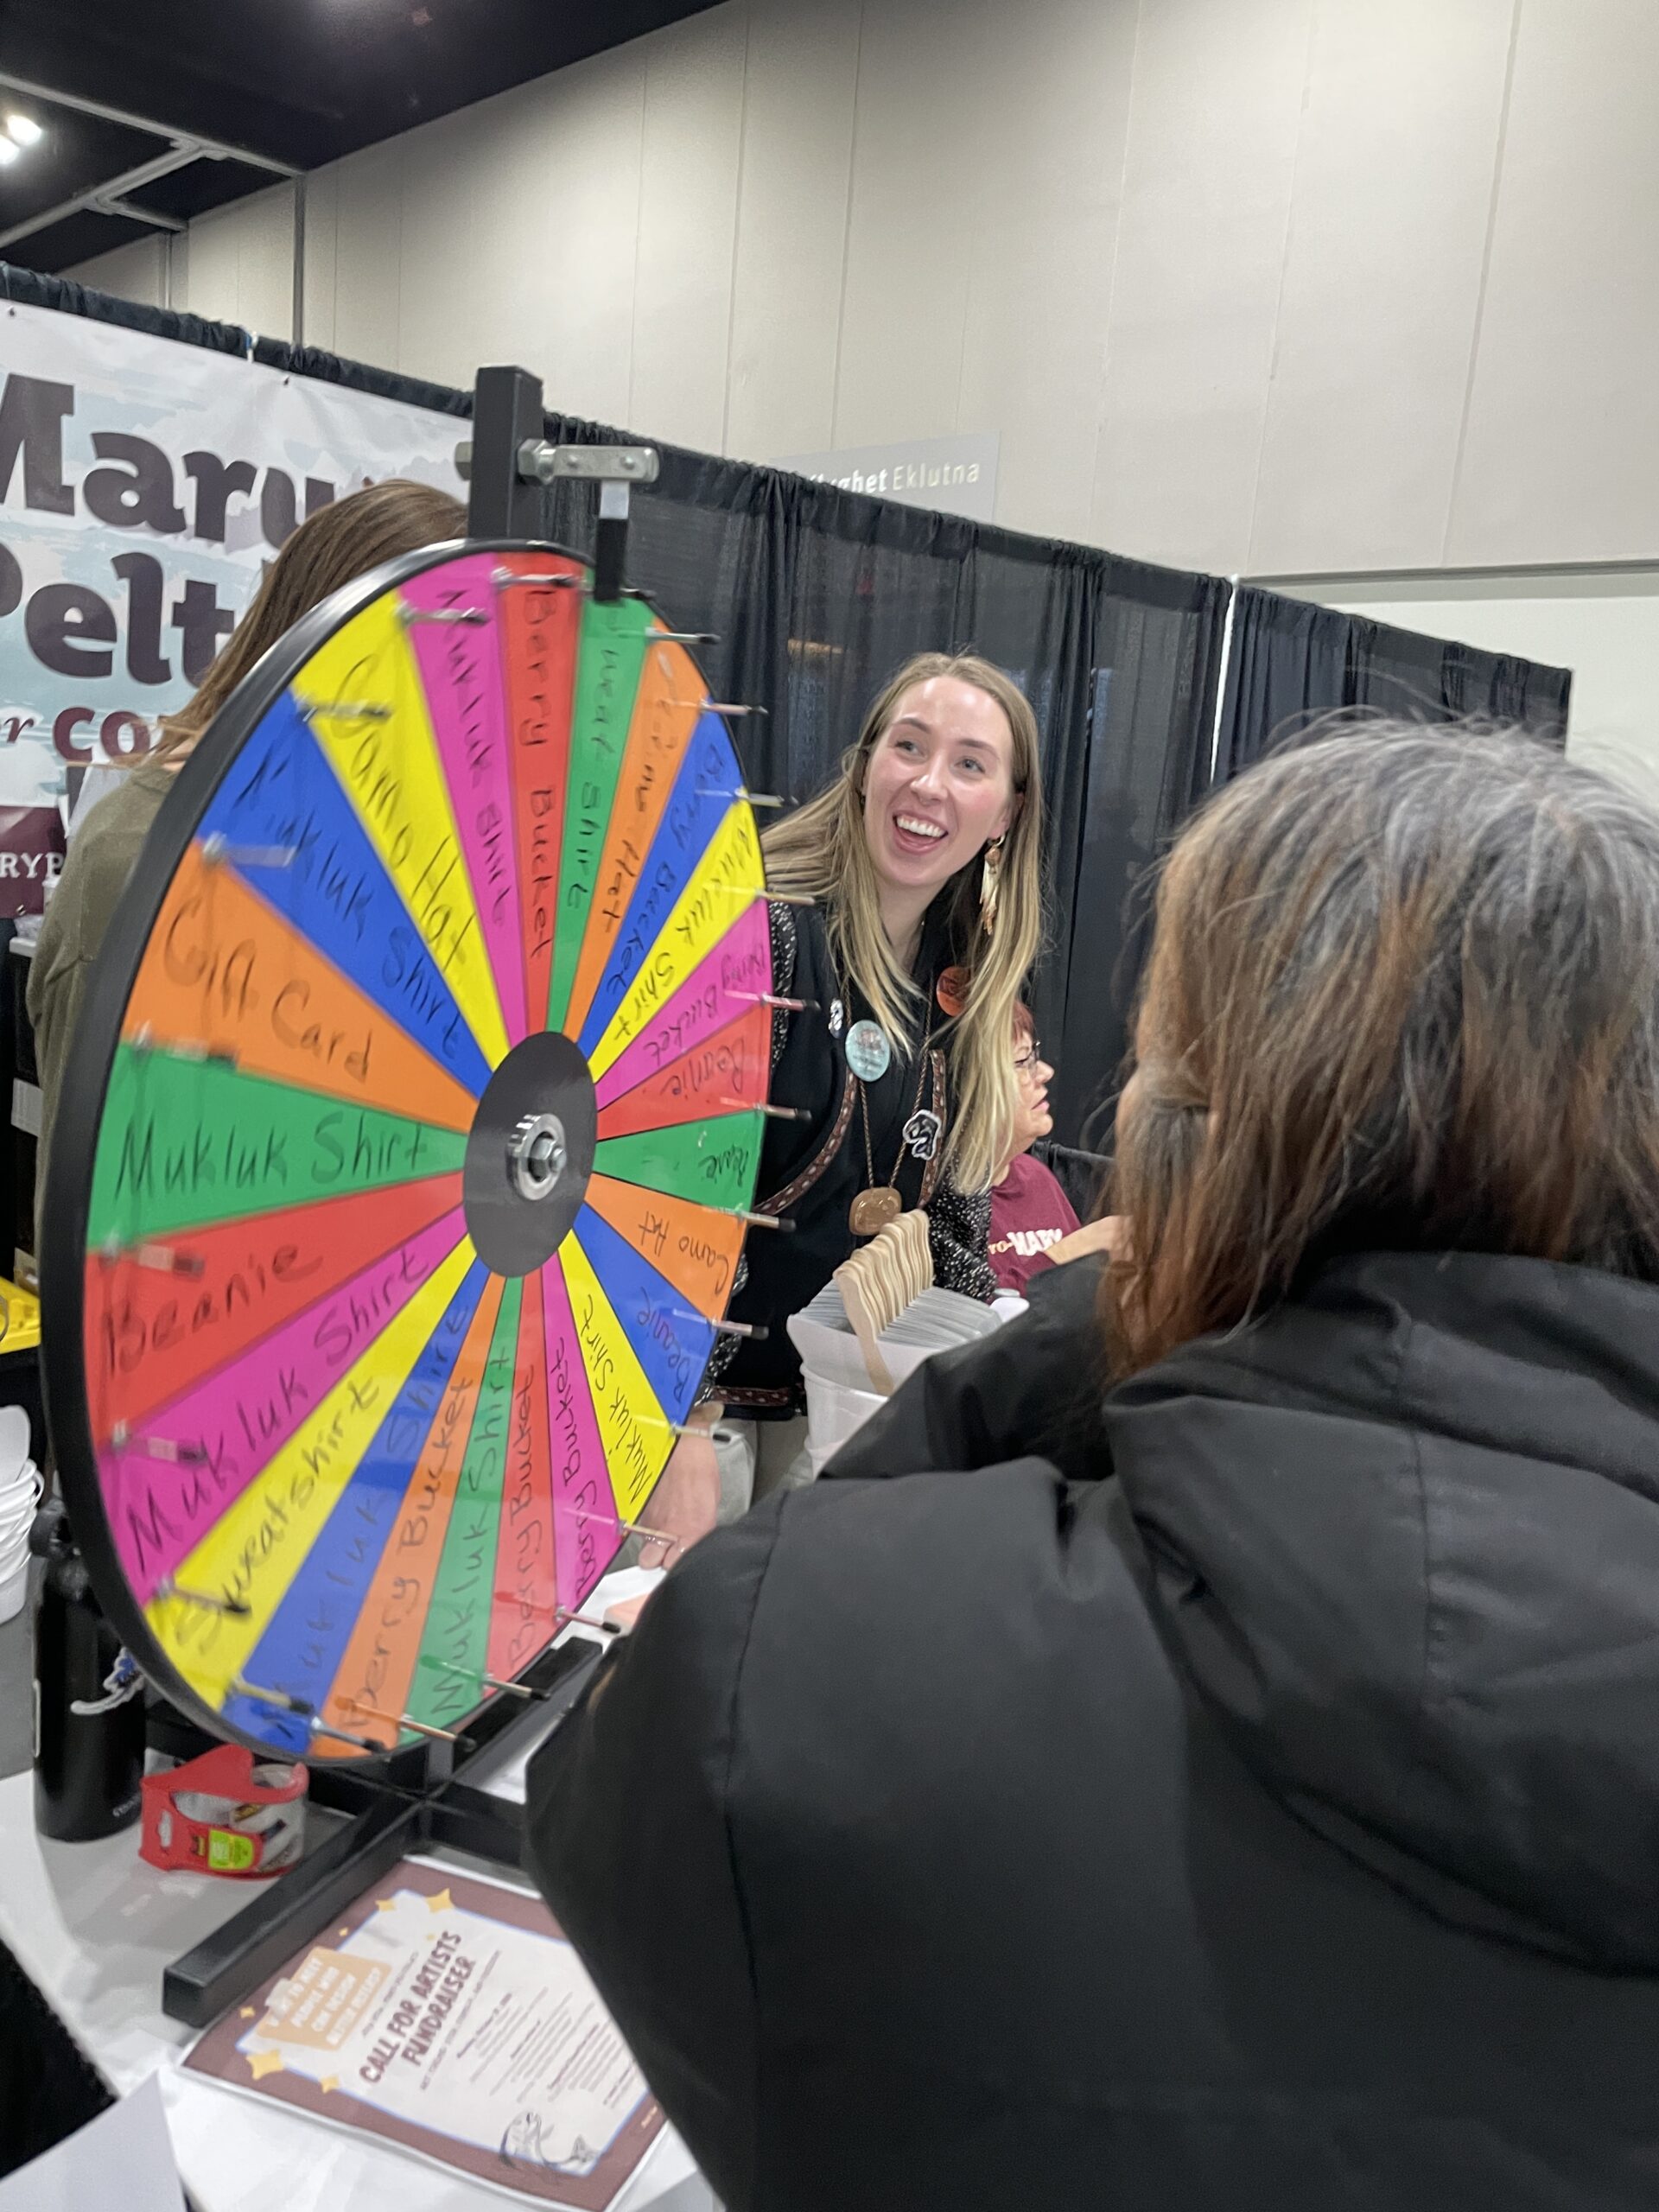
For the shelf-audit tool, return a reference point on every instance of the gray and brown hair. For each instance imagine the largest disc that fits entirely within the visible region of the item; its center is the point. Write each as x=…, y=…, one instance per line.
x=1403, y=993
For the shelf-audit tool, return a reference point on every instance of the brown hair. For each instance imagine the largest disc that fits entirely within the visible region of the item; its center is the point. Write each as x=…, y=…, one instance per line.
x=1025, y=1024
x=331, y=548
x=1403, y=994
x=820, y=851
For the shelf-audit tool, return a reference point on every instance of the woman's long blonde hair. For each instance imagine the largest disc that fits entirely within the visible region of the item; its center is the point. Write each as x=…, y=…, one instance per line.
x=1403, y=994
x=820, y=851
x=331, y=548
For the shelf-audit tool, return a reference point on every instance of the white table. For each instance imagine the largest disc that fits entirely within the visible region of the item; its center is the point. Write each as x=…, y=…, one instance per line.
x=94, y=1926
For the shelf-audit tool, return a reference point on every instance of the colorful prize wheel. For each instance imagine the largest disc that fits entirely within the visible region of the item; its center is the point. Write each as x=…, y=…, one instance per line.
x=400, y=1180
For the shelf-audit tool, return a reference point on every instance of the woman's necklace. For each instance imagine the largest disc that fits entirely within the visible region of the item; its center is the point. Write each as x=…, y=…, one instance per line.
x=880, y=1203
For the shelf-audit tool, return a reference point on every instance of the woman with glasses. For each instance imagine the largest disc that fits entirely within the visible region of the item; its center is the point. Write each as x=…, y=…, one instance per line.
x=1030, y=1213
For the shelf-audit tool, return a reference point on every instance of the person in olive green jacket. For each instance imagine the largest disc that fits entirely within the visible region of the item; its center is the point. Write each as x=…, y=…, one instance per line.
x=333, y=547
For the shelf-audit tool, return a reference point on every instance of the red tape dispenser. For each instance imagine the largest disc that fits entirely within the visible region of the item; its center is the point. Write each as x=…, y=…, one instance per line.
x=222, y=1814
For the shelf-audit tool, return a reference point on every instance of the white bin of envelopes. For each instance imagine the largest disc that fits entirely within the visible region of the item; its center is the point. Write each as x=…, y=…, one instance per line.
x=839, y=1399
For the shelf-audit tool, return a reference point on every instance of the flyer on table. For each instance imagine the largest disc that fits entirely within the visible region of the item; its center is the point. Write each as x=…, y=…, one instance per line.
x=450, y=2018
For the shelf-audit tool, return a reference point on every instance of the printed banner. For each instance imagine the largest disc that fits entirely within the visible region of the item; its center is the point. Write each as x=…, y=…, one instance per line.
x=146, y=483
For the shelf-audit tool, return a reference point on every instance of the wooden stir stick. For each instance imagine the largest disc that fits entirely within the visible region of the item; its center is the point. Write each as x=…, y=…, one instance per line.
x=880, y=1280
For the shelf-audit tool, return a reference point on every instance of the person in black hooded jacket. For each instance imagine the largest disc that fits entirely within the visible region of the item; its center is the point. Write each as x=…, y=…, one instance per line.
x=1253, y=1801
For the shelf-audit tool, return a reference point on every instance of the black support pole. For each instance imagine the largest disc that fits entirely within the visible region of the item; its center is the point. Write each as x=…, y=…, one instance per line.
x=506, y=412
x=610, y=542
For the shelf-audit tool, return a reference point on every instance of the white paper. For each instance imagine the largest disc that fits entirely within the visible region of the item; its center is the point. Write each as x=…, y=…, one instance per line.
x=124, y=2157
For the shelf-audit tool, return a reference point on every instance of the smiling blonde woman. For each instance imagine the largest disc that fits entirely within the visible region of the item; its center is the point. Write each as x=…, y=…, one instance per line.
x=922, y=862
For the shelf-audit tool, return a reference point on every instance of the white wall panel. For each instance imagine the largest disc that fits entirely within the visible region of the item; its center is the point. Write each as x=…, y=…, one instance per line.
x=691, y=158
x=241, y=264
x=1212, y=132
x=434, y=241
x=801, y=94
x=920, y=118
x=1047, y=137
x=505, y=294
x=212, y=286
x=265, y=279
x=1034, y=336
x=368, y=201
x=1278, y=285
x=136, y=272
x=1394, y=175
x=322, y=252
x=1562, y=459
x=556, y=232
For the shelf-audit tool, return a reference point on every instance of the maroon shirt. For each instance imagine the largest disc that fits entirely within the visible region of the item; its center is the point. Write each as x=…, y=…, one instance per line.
x=1029, y=1212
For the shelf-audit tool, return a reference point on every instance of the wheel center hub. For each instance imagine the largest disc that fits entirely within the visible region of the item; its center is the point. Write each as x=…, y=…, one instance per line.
x=537, y=1157
x=530, y=1154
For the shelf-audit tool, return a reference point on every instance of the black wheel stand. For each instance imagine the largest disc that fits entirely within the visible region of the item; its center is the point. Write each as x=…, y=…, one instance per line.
x=420, y=1798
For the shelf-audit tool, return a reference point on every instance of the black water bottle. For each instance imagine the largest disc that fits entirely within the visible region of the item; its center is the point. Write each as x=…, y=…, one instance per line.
x=89, y=1701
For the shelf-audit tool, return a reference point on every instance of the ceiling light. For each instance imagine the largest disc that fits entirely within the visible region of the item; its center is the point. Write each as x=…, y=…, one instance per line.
x=24, y=130
x=9, y=151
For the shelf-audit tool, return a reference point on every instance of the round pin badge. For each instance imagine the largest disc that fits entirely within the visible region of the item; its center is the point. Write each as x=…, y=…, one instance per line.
x=951, y=990
x=868, y=1053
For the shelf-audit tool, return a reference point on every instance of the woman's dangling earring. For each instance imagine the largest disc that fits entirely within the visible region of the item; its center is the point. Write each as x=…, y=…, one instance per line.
x=990, y=876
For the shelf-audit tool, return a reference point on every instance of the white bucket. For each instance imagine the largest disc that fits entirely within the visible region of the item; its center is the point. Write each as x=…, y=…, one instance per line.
x=19, y=1505
x=834, y=1411
x=14, y=1588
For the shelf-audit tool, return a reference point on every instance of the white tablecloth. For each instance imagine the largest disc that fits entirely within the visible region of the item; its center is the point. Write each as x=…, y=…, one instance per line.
x=94, y=1926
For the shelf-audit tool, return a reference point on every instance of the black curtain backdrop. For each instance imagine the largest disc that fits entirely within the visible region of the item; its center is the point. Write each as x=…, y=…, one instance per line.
x=1291, y=662
x=814, y=596
x=1144, y=765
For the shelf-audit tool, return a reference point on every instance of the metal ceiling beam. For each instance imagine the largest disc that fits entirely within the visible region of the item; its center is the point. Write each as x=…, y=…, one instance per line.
x=107, y=204
x=105, y=198
x=214, y=149
x=109, y=197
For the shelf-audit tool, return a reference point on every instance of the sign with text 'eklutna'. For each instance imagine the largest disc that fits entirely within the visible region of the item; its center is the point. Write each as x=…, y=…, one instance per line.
x=956, y=475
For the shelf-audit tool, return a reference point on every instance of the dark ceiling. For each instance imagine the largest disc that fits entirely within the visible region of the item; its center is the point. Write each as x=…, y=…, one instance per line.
x=299, y=81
